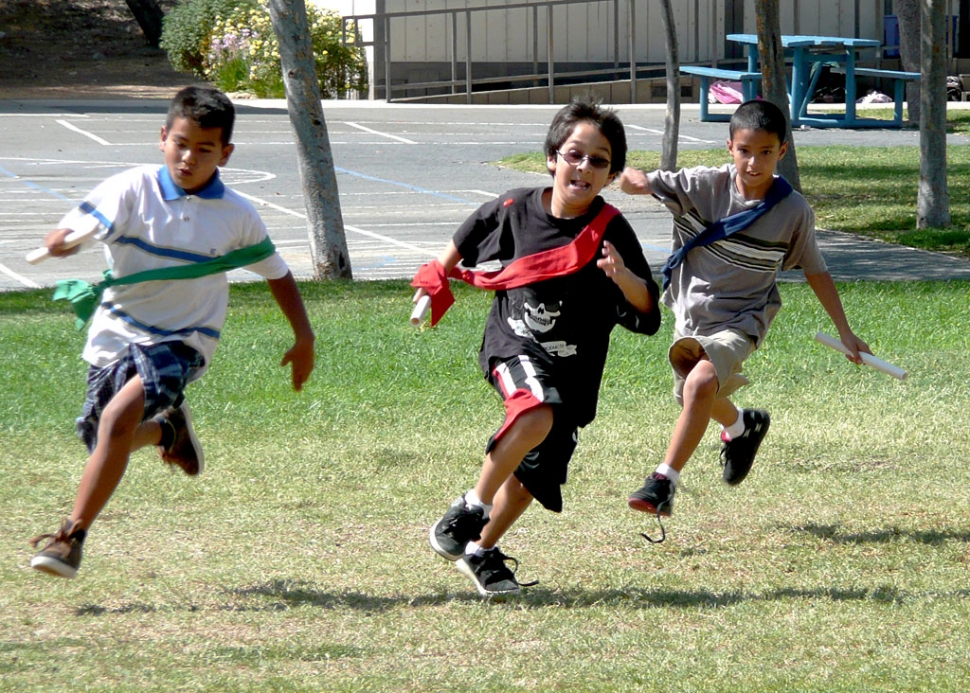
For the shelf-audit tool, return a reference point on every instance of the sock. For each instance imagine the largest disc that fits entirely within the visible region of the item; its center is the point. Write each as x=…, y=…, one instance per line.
x=669, y=472
x=737, y=428
x=473, y=549
x=471, y=498
x=168, y=434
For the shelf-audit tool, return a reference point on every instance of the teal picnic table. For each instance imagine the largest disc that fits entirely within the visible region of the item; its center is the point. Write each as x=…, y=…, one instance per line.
x=807, y=55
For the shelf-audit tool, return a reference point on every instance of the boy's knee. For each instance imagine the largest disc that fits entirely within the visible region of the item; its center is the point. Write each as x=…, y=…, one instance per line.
x=702, y=381
x=536, y=422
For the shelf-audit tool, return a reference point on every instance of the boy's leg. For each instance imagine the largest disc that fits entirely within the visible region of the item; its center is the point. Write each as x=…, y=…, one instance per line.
x=120, y=431
x=483, y=562
x=464, y=520
x=699, y=395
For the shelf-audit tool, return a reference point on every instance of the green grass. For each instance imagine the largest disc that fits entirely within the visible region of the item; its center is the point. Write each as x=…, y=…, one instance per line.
x=299, y=560
x=870, y=191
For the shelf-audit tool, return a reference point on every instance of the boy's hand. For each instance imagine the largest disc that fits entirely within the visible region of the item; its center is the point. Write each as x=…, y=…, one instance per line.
x=301, y=357
x=633, y=181
x=611, y=263
x=855, y=345
x=54, y=241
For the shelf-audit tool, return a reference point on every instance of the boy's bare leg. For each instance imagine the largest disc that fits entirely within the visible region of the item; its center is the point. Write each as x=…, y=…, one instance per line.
x=511, y=501
x=530, y=429
x=700, y=391
x=120, y=432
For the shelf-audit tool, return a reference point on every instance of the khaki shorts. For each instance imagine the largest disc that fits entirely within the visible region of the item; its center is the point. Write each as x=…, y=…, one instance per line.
x=726, y=350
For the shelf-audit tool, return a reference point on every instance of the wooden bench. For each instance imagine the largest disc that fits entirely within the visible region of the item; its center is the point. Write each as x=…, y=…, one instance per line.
x=749, y=86
x=899, y=79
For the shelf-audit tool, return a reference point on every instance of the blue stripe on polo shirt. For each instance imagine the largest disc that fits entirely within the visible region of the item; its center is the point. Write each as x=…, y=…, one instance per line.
x=88, y=208
x=171, y=253
x=207, y=331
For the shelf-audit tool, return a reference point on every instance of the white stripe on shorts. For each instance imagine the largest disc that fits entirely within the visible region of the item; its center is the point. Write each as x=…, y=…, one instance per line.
x=508, y=382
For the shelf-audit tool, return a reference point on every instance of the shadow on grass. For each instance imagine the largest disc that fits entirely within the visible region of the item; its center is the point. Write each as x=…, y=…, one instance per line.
x=882, y=536
x=287, y=595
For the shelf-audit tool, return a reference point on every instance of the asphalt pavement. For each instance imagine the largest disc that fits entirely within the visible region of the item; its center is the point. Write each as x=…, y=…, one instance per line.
x=407, y=175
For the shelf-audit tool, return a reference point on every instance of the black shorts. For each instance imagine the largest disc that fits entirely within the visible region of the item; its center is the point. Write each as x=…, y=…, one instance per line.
x=525, y=385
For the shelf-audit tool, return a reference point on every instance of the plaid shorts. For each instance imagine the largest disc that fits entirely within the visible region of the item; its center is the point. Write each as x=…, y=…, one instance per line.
x=165, y=369
x=524, y=385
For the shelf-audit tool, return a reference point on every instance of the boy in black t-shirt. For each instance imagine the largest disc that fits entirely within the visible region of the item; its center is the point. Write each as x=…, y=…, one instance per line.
x=572, y=269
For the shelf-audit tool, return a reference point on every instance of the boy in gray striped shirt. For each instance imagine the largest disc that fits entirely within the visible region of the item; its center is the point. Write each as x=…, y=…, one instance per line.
x=742, y=225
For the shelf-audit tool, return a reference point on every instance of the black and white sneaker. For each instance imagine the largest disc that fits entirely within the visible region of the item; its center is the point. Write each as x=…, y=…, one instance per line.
x=461, y=524
x=655, y=496
x=491, y=576
x=737, y=454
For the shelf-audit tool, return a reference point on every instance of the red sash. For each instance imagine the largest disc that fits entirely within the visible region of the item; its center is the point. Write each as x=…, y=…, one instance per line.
x=547, y=264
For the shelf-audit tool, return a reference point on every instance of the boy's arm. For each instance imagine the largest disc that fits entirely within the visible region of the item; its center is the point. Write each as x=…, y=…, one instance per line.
x=824, y=289
x=633, y=181
x=634, y=288
x=300, y=355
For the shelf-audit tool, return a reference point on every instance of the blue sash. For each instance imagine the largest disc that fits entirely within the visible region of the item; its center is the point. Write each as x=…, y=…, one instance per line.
x=727, y=226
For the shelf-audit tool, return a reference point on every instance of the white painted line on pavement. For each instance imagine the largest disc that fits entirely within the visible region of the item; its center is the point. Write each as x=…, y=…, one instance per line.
x=377, y=132
x=76, y=129
x=20, y=278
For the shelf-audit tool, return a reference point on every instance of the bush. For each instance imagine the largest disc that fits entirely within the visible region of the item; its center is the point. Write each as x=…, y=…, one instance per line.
x=231, y=43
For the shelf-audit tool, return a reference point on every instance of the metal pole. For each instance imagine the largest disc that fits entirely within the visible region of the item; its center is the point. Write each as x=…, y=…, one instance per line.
x=387, y=59
x=535, y=43
x=454, y=52
x=549, y=55
x=468, y=57
x=632, y=45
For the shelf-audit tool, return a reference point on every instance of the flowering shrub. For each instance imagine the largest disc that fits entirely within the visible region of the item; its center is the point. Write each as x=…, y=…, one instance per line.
x=240, y=52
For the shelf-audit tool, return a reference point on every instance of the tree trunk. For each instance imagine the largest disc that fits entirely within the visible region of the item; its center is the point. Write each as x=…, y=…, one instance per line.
x=328, y=243
x=149, y=16
x=668, y=156
x=908, y=16
x=933, y=202
x=773, y=79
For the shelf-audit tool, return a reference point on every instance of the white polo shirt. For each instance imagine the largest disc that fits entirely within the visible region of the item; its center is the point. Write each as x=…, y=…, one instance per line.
x=147, y=222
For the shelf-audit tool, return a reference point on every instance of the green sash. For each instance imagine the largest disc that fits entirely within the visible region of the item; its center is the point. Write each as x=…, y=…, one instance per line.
x=86, y=296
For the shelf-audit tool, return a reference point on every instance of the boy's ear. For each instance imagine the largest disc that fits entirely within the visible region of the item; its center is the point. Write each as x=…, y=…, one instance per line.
x=782, y=150
x=551, y=162
x=162, y=137
x=227, y=150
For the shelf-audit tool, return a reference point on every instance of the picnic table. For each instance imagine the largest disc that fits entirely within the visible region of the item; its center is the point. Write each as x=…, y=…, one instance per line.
x=807, y=55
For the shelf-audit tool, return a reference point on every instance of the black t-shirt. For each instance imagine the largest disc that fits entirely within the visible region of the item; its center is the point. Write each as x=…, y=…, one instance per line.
x=563, y=323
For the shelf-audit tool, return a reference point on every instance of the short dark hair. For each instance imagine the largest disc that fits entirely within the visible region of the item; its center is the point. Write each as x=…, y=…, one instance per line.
x=760, y=115
x=604, y=119
x=207, y=106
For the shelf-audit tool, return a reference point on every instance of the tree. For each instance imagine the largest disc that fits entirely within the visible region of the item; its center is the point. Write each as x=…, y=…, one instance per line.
x=908, y=16
x=773, y=83
x=328, y=243
x=933, y=203
x=149, y=16
x=668, y=156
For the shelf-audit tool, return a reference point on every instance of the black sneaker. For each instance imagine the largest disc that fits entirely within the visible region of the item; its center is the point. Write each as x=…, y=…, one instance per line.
x=490, y=574
x=656, y=496
x=737, y=455
x=61, y=556
x=186, y=450
x=461, y=524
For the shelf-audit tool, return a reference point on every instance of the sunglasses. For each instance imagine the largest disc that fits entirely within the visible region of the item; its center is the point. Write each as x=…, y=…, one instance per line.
x=574, y=158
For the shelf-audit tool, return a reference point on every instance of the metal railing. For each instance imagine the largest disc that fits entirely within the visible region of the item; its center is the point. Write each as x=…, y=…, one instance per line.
x=621, y=69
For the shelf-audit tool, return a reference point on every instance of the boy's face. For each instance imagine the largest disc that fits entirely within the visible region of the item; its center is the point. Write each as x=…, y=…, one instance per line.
x=576, y=185
x=193, y=153
x=756, y=153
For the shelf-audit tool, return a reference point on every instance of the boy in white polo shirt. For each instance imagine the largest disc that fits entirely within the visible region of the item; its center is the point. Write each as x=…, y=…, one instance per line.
x=150, y=339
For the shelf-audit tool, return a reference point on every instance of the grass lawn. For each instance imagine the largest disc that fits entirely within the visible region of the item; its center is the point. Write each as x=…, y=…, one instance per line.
x=299, y=561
